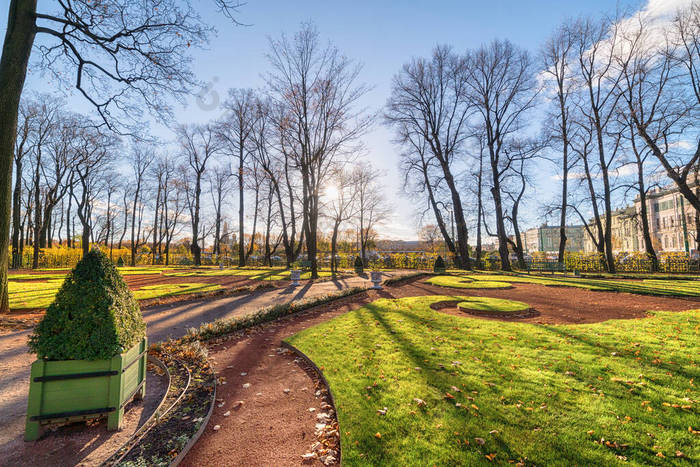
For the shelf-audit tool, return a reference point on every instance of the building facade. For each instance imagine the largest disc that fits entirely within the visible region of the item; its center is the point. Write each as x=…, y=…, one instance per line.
x=546, y=239
x=671, y=221
x=671, y=225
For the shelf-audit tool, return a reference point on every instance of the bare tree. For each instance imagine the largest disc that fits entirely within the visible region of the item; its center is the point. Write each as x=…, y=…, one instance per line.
x=519, y=155
x=269, y=150
x=173, y=208
x=341, y=206
x=269, y=199
x=28, y=116
x=315, y=88
x=371, y=207
x=56, y=170
x=556, y=56
x=198, y=144
x=429, y=110
x=141, y=158
x=93, y=153
x=219, y=189
x=501, y=93
x=116, y=51
x=422, y=175
x=661, y=90
x=48, y=112
x=234, y=132
x=595, y=44
x=430, y=235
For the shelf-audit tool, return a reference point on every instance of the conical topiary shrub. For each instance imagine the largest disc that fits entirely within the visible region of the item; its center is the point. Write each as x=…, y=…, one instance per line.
x=93, y=317
x=439, y=265
x=359, y=265
x=91, y=350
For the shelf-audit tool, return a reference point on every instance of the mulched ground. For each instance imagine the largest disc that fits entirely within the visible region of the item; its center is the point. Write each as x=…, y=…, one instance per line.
x=268, y=395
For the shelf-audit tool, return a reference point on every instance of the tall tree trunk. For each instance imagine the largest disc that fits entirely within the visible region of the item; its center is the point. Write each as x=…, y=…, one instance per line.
x=255, y=226
x=241, y=243
x=126, y=220
x=500, y=224
x=16, y=50
x=195, y=248
x=155, y=226
x=599, y=242
x=60, y=227
x=37, y=213
x=644, y=214
x=564, y=194
x=334, y=247
x=607, y=237
x=480, y=210
x=462, y=246
x=16, y=217
x=134, y=234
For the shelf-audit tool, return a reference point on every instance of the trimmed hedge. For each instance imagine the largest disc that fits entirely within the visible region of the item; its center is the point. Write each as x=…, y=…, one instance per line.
x=93, y=317
x=221, y=327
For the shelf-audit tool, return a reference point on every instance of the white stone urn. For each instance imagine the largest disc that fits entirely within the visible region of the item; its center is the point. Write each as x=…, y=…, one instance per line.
x=376, y=278
x=295, y=276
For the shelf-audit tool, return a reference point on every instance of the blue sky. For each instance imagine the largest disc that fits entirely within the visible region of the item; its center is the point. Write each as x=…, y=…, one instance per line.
x=380, y=34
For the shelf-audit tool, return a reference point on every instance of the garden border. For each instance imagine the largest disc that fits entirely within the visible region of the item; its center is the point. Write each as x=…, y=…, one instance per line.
x=444, y=304
x=108, y=461
x=193, y=440
x=321, y=376
x=142, y=430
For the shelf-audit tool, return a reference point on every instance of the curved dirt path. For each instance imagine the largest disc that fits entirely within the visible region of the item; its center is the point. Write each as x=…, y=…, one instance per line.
x=275, y=427
x=163, y=321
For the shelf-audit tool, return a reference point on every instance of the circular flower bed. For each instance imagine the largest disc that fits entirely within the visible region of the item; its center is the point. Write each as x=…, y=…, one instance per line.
x=459, y=282
x=486, y=306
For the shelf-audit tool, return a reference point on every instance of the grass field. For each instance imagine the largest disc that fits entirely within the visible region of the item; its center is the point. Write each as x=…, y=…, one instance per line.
x=663, y=287
x=28, y=290
x=36, y=294
x=493, y=305
x=466, y=391
x=271, y=274
x=461, y=282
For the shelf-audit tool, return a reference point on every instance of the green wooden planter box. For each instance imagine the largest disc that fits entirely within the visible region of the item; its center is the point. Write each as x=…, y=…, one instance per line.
x=439, y=270
x=73, y=390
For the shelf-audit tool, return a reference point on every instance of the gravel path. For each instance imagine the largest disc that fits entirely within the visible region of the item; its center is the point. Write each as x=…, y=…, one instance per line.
x=163, y=321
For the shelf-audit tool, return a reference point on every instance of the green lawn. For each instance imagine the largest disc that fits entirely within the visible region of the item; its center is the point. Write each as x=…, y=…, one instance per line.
x=679, y=288
x=40, y=294
x=460, y=282
x=463, y=391
x=32, y=294
x=494, y=305
x=252, y=273
x=168, y=290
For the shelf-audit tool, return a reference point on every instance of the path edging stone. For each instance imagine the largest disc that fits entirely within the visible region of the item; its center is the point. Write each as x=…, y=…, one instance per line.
x=321, y=376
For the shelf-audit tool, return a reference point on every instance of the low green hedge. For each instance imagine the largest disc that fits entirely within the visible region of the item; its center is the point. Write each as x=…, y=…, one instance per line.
x=93, y=317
